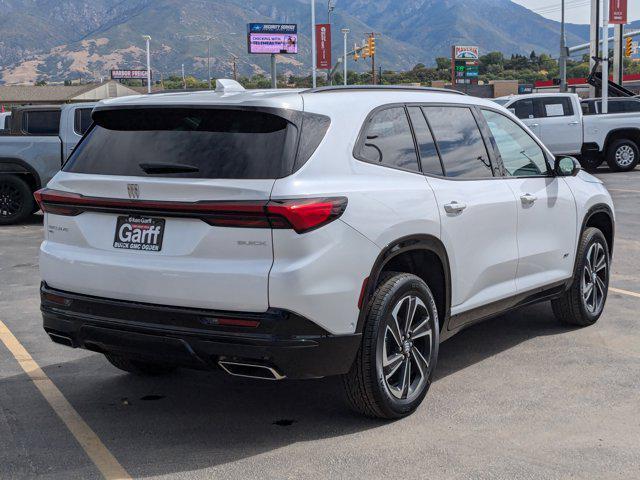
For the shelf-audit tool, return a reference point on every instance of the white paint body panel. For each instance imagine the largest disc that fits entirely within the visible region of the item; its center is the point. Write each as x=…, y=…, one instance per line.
x=495, y=248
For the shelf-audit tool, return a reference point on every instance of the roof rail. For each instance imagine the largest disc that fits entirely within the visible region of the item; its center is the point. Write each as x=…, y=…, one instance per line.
x=337, y=88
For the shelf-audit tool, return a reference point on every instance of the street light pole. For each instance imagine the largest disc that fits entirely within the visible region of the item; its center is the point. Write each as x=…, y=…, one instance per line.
x=605, y=56
x=209, y=61
x=313, y=43
x=148, y=39
x=562, y=60
x=345, y=32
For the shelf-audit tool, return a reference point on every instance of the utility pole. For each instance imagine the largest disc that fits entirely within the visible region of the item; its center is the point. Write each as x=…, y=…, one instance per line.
x=330, y=8
x=605, y=56
x=209, y=61
x=562, y=60
x=345, y=32
x=184, y=79
x=618, y=54
x=234, y=59
x=148, y=39
x=594, y=36
x=274, y=78
x=313, y=43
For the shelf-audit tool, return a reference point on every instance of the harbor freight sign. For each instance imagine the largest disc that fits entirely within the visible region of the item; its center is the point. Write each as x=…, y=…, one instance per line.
x=272, y=38
x=618, y=12
x=128, y=74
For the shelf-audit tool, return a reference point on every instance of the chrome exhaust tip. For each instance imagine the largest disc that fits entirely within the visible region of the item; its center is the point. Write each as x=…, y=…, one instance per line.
x=250, y=370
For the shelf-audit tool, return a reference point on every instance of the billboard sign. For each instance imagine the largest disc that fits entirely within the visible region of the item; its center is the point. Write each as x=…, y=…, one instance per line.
x=323, y=46
x=128, y=74
x=272, y=38
x=466, y=53
x=618, y=12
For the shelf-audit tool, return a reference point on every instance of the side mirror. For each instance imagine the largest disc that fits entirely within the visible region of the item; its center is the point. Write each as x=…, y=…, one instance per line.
x=567, y=166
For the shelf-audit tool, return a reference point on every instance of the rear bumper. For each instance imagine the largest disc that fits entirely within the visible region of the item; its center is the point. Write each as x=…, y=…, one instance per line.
x=292, y=345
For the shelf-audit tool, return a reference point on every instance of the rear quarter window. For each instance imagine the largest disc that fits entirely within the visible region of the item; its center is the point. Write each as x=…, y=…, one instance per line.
x=41, y=122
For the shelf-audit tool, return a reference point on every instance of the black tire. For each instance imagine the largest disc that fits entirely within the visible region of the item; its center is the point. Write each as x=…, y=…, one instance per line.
x=573, y=308
x=16, y=200
x=369, y=387
x=591, y=162
x=623, y=155
x=139, y=367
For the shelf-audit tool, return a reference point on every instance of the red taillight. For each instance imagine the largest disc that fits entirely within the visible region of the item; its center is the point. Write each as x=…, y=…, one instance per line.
x=307, y=214
x=302, y=215
x=237, y=322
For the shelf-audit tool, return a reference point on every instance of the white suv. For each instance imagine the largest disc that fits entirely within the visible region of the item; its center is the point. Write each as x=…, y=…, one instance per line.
x=306, y=233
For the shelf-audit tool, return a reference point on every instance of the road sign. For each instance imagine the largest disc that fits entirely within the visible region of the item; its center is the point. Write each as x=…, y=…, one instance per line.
x=618, y=12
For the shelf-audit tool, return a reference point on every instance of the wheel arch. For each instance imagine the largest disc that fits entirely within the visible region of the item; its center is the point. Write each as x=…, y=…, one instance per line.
x=599, y=216
x=404, y=251
x=624, y=133
x=17, y=166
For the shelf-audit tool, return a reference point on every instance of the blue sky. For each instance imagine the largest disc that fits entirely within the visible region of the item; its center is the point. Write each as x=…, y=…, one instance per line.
x=577, y=11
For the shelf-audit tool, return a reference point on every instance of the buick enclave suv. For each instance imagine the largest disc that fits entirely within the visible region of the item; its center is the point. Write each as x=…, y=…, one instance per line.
x=305, y=233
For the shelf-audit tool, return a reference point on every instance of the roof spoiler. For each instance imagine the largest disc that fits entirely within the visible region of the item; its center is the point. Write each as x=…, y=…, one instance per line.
x=224, y=85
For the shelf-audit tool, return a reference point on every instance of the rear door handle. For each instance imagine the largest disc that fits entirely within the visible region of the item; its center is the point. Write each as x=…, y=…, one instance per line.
x=454, y=207
x=534, y=125
x=528, y=199
x=574, y=123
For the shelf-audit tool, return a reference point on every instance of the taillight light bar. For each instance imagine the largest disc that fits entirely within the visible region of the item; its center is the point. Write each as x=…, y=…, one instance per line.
x=301, y=215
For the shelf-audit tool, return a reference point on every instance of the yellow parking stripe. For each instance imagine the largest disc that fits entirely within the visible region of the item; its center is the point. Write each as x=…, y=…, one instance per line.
x=624, y=292
x=101, y=457
x=624, y=190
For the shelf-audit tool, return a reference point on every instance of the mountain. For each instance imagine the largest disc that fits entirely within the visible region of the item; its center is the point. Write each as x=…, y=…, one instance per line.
x=69, y=39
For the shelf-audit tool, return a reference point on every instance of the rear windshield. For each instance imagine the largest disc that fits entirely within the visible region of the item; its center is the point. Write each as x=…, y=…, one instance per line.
x=211, y=143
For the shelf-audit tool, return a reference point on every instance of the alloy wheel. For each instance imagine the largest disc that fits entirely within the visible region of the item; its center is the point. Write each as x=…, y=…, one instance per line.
x=595, y=278
x=407, y=348
x=625, y=155
x=10, y=200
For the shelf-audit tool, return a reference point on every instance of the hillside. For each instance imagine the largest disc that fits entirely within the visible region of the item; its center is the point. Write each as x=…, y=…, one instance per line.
x=68, y=39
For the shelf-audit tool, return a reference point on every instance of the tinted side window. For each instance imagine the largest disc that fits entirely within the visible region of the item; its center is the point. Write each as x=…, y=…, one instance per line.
x=632, y=106
x=388, y=140
x=523, y=108
x=556, y=107
x=429, y=157
x=82, y=120
x=520, y=155
x=41, y=122
x=459, y=141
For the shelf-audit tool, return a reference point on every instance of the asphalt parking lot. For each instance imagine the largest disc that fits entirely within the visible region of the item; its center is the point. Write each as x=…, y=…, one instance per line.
x=518, y=396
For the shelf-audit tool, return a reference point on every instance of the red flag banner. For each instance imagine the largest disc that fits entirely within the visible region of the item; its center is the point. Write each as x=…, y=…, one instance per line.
x=618, y=12
x=323, y=46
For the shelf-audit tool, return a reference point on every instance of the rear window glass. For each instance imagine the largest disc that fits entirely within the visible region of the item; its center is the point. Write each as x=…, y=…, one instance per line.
x=41, y=122
x=208, y=143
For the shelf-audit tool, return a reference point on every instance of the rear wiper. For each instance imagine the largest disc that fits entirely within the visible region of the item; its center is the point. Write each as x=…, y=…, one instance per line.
x=161, y=167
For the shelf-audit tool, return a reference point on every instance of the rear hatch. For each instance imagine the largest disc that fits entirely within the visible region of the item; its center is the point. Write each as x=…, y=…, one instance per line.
x=167, y=206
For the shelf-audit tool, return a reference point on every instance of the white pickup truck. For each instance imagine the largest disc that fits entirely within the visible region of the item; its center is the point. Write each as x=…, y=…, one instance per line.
x=557, y=120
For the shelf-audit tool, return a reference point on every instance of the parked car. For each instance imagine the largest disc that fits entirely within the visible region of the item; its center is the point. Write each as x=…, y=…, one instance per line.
x=307, y=233
x=5, y=121
x=33, y=150
x=557, y=120
x=593, y=106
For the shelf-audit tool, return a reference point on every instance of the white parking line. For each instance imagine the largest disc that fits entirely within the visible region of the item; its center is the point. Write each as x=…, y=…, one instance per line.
x=624, y=292
x=623, y=190
x=88, y=440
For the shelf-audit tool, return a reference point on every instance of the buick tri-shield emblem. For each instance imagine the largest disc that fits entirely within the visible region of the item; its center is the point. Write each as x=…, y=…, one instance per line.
x=134, y=190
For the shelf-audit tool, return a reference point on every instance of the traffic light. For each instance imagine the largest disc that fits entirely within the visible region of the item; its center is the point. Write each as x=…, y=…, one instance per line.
x=365, y=50
x=372, y=45
x=628, y=48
